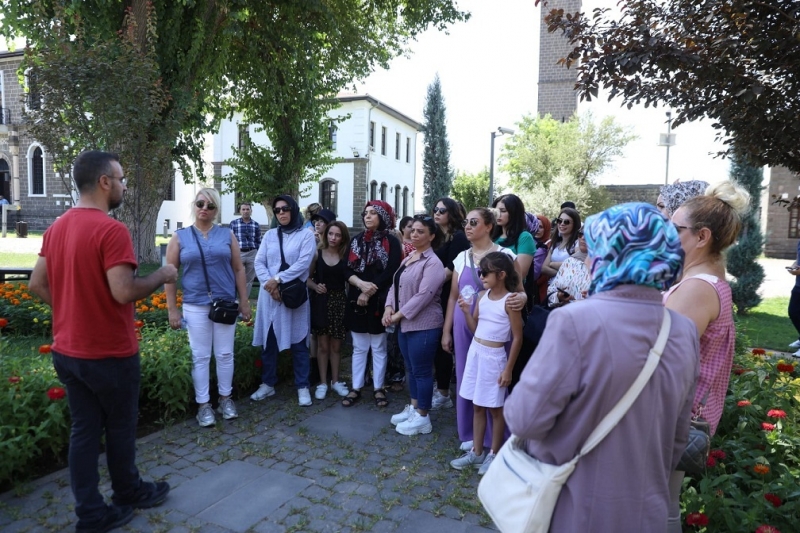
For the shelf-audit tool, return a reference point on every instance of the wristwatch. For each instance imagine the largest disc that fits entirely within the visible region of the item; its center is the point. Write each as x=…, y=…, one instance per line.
x=277, y=278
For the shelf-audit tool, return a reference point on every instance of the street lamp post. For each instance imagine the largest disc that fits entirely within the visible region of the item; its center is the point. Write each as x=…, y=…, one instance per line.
x=669, y=142
x=500, y=131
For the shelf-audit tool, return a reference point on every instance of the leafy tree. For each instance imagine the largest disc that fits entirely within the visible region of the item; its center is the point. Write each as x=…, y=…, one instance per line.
x=735, y=62
x=742, y=258
x=546, y=197
x=471, y=189
x=437, y=174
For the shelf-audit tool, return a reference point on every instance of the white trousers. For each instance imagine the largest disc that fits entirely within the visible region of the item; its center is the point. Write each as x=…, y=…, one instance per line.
x=203, y=335
x=362, y=342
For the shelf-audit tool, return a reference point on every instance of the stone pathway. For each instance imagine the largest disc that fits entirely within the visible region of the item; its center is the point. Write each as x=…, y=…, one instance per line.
x=281, y=468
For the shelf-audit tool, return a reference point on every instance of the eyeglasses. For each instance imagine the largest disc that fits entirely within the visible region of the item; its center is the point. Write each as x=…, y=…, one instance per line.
x=439, y=210
x=679, y=227
x=563, y=221
x=472, y=222
x=122, y=179
x=200, y=204
x=281, y=209
x=484, y=273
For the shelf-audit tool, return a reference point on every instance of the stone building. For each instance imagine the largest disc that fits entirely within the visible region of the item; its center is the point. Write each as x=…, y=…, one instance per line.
x=782, y=214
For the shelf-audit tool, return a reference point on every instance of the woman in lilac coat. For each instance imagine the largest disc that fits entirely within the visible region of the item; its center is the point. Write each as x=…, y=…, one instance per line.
x=589, y=355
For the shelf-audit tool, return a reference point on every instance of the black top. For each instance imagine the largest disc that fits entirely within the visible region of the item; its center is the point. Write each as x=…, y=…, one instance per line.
x=368, y=319
x=332, y=276
x=447, y=254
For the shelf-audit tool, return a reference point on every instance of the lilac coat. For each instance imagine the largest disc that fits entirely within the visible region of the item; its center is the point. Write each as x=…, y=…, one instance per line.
x=589, y=355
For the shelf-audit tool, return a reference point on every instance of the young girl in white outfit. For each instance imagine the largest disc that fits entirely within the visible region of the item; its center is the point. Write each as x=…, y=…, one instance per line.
x=488, y=370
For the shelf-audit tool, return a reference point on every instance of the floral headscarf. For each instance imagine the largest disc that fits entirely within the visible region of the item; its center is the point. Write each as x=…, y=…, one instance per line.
x=296, y=222
x=676, y=194
x=370, y=246
x=632, y=244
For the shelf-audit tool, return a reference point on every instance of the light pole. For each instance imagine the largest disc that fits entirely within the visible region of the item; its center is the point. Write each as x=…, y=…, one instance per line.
x=500, y=131
x=668, y=142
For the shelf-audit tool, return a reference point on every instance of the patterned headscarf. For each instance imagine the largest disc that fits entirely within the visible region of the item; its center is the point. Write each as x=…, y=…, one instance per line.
x=632, y=244
x=676, y=194
x=370, y=246
x=296, y=222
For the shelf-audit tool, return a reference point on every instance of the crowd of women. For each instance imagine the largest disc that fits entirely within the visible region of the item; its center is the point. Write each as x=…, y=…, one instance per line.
x=471, y=292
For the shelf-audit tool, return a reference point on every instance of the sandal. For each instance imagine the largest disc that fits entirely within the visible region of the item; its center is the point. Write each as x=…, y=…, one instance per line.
x=382, y=400
x=352, y=397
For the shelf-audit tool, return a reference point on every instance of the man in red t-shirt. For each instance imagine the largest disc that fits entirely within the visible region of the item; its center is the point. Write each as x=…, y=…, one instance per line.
x=86, y=273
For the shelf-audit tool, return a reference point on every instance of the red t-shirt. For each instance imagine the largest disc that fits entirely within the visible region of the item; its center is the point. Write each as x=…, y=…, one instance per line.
x=88, y=323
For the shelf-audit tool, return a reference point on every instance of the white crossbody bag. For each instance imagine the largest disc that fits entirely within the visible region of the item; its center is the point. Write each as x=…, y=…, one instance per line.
x=520, y=492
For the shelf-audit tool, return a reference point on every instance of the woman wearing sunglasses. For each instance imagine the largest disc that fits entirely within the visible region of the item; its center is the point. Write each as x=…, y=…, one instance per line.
x=573, y=278
x=448, y=217
x=564, y=240
x=277, y=327
x=456, y=334
x=372, y=259
x=226, y=279
x=413, y=307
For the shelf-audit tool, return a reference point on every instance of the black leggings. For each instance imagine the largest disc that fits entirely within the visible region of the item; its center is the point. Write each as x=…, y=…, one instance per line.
x=443, y=364
x=794, y=309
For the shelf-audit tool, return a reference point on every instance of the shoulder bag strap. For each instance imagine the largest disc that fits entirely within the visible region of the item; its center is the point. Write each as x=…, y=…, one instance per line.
x=203, y=262
x=280, y=245
x=625, y=403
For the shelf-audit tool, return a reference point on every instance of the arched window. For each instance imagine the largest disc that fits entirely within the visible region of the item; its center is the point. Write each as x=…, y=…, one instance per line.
x=383, y=191
x=327, y=194
x=397, y=199
x=36, y=186
x=373, y=190
x=405, y=201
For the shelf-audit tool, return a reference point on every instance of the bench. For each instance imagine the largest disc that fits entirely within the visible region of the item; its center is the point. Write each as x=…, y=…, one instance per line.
x=15, y=273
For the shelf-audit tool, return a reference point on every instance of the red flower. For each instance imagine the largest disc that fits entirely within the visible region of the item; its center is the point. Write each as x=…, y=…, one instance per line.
x=696, y=519
x=776, y=413
x=767, y=529
x=44, y=348
x=766, y=426
x=258, y=363
x=56, y=393
x=761, y=469
x=14, y=379
x=759, y=351
x=785, y=367
x=737, y=369
x=139, y=323
x=711, y=462
x=717, y=454
x=3, y=322
x=743, y=403
x=773, y=499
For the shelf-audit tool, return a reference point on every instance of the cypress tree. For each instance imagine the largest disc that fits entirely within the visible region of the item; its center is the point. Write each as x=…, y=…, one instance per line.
x=742, y=257
x=437, y=174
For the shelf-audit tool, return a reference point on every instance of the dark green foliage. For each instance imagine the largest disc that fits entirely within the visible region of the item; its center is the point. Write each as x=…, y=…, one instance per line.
x=742, y=257
x=437, y=174
x=471, y=189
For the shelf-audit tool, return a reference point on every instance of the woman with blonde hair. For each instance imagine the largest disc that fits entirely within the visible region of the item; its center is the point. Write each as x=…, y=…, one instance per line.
x=707, y=225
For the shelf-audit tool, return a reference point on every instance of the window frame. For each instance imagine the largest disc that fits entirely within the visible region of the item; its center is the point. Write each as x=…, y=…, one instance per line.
x=31, y=151
x=405, y=201
x=408, y=149
x=373, y=190
x=372, y=135
x=384, y=190
x=333, y=194
x=383, y=140
x=794, y=219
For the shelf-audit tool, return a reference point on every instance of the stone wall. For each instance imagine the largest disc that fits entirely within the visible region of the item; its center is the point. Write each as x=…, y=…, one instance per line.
x=620, y=194
x=557, y=96
x=359, y=192
x=781, y=238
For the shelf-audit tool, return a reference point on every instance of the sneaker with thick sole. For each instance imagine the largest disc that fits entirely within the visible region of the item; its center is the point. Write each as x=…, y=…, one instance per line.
x=469, y=459
x=795, y=344
x=486, y=462
x=415, y=425
x=466, y=446
x=205, y=416
x=148, y=495
x=304, y=397
x=340, y=388
x=440, y=401
x=227, y=409
x=115, y=517
x=403, y=415
x=321, y=391
x=796, y=354
x=263, y=391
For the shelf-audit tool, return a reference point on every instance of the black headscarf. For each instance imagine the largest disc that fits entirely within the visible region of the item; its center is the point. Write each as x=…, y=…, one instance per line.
x=296, y=222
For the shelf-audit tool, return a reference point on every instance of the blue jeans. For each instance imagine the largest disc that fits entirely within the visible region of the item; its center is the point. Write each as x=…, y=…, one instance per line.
x=419, y=351
x=103, y=397
x=301, y=360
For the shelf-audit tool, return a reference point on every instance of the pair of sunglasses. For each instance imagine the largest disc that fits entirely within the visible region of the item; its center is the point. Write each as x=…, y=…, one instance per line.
x=439, y=210
x=563, y=221
x=472, y=222
x=200, y=204
x=484, y=273
x=282, y=209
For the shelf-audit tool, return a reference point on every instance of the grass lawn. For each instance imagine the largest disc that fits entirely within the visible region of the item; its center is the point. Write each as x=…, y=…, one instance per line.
x=10, y=259
x=768, y=326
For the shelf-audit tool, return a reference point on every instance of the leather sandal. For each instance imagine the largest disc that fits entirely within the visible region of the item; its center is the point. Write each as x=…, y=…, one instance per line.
x=380, y=398
x=352, y=397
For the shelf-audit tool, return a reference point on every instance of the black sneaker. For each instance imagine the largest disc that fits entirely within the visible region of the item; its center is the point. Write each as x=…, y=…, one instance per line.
x=115, y=517
x=147, y=495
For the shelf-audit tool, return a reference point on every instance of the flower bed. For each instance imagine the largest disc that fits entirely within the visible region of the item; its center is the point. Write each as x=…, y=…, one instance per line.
x=750, y=483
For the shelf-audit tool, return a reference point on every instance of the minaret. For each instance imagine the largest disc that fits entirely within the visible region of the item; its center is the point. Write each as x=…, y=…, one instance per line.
x=557, y=94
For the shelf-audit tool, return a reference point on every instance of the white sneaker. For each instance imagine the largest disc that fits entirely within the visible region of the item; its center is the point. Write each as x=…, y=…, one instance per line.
x=796, y=354
x=321, y=392
x=205, y=416
x=469, y=459
x=403, y=415
x=415, y=424
x=263, y=391
x=466, y=446
x=304, y=397
x=486, y=462
x=340, y=388
x=227, y=409
x=795, y=344
x=440, y=401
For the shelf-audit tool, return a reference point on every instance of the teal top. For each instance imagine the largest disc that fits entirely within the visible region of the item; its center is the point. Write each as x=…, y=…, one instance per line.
x=525, y=244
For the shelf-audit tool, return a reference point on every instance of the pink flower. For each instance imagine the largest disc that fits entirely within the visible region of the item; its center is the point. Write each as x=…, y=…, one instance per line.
x=14, y=379
x=56, y=393
x=696, y=519
x=766, y=426
x=773, y=499
x=776, y=413
x=767, y=529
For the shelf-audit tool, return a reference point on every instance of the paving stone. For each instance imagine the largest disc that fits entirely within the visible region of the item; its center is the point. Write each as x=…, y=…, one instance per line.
x=359, y=425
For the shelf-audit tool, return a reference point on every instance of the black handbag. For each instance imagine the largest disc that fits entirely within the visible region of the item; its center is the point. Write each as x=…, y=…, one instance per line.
x=222, y=311
x=294, y=293
x=319, y=303
x=698, y=447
